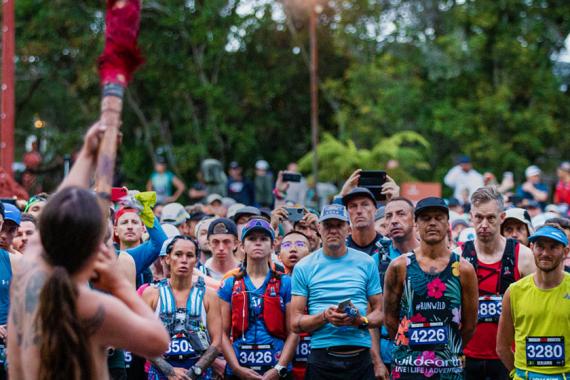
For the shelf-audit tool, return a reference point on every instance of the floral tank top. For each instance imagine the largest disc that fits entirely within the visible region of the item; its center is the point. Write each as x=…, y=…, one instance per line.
x=428, y=343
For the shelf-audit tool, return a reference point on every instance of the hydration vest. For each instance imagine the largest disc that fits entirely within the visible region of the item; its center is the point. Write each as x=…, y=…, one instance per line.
x=508, y=262
x=272, y=315
x=186, y=326
x=383, y=249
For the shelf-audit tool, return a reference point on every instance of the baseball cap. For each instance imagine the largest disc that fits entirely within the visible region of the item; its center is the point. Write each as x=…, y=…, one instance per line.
x=334, y=211
x=233, y=209
x=247, y=210
x=122, y=211
x=519, y=214
x=358, y=192
x=464, y=159
x=12, y=213
x=565, y=166
x=431, y=202
x=2, y=212
x=261, y=165
x=452, y=202
x=550, y=232
x=379, y=213
x=170, y=230
x=459, y=222
x=257, y=224
x=221, y=226
x=174, y=213
x=532, y=170
x=234, y=165
x=213, y=197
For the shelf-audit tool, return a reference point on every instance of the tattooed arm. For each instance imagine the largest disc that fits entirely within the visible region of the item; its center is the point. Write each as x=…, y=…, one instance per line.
x=393, y=288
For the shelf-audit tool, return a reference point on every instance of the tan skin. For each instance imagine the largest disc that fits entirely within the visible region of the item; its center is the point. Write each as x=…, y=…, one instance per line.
x=334, y=233
x=25, y=231
x=549, y=257
x=515, y=229
x=433, y=257
x=294, y=247
x=222, y=247
x=181, y=261
x=36, y=209
x=258, y=247
x=117, y=319
x=129, y=230
x=399, y=216
x=489, y=244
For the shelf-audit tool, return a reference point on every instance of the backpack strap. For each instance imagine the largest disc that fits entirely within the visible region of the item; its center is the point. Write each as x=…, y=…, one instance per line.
x=470, y=254
x=508, y=265
x=167, y=300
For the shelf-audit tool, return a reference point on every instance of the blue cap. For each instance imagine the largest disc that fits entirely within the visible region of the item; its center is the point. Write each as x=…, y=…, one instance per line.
x=257, y=224
x=464, y=159
x=12, y=213
x=550, y=232
x=334, y=211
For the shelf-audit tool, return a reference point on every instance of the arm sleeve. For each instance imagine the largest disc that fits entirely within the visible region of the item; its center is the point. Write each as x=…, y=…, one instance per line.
x=146, y=253
x=374, y=286
x=225, y=290
x=299, y=287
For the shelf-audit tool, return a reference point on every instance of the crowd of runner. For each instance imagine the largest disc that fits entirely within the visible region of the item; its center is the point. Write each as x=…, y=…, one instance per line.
x=132, y=285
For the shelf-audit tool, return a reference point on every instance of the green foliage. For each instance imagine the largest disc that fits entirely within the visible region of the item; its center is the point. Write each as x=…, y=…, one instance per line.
x=338, y=159
x=229, y=80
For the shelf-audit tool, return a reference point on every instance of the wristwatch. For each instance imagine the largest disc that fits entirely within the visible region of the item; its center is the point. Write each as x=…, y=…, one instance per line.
x=364, y=324
x=281, y=370
x=195, y=372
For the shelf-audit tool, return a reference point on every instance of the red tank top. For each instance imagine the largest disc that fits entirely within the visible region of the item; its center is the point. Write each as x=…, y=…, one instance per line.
x=484, y=342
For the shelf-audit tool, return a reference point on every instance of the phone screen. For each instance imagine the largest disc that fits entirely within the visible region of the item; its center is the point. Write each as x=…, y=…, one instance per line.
x=373, y=181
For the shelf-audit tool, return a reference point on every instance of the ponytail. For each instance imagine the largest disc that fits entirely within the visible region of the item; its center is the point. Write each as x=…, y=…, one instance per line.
x=64, y=347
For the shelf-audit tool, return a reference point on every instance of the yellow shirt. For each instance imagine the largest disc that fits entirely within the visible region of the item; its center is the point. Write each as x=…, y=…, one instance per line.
x=542, y=326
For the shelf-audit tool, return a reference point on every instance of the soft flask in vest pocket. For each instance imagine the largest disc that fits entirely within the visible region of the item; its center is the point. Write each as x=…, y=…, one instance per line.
x=273, y=316
x=240, y=309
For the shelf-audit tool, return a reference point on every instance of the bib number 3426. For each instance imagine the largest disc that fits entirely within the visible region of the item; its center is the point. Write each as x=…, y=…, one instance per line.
x=545, y=351
x=256, y=356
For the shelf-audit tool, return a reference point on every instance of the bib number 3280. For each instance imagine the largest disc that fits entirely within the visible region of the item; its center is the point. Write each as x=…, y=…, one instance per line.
x=545, y=351
x=427, y=334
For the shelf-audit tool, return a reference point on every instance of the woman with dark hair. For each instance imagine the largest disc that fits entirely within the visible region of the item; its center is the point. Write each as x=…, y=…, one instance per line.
x=255, y=307
x=59, y=327
x=190, y=312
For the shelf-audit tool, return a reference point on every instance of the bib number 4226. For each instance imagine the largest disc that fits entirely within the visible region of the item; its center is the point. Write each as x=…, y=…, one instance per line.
x=427, y=334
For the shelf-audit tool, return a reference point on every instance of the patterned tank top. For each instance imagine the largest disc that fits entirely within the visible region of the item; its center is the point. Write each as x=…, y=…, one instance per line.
x=428, y=343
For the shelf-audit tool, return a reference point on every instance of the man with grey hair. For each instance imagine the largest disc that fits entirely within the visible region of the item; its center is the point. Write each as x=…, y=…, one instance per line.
x=498, y=262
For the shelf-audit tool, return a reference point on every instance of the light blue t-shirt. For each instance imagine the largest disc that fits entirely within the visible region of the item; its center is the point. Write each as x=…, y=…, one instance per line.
x=327, y=281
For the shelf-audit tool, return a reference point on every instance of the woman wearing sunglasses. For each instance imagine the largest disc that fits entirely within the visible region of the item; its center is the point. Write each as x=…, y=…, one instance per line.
x=190, y=312
x=256, y=342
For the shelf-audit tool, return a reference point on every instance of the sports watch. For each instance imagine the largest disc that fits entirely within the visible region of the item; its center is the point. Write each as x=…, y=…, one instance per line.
x=281, y=370
x=364, y=324
x=195, y=372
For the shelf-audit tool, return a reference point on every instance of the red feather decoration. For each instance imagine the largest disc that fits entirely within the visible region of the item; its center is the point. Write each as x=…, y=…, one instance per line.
x=121, y=55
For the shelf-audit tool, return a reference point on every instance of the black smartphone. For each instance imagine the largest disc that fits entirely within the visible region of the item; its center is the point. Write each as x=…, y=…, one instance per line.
x=295, y=213
x=291, y=177
x=373, y=181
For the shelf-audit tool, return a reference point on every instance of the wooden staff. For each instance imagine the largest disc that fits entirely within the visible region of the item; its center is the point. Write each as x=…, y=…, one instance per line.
x=117, y=63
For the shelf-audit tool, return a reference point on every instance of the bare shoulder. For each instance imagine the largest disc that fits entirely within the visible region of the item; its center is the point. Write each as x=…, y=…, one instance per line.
x=150, y=296
x=399, y=263
x=465, y=265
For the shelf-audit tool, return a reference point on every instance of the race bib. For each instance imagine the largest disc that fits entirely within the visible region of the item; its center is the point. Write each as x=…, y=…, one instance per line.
x=181, y=347
x=128, y=359
x=545, y=351
x=256, y=356
x=490, y=308
x=303, y=349
x=421, y=334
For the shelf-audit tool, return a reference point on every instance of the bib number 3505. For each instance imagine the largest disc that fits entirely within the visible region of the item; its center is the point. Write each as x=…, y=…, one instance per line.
x=545, y=351
x=427, y=334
